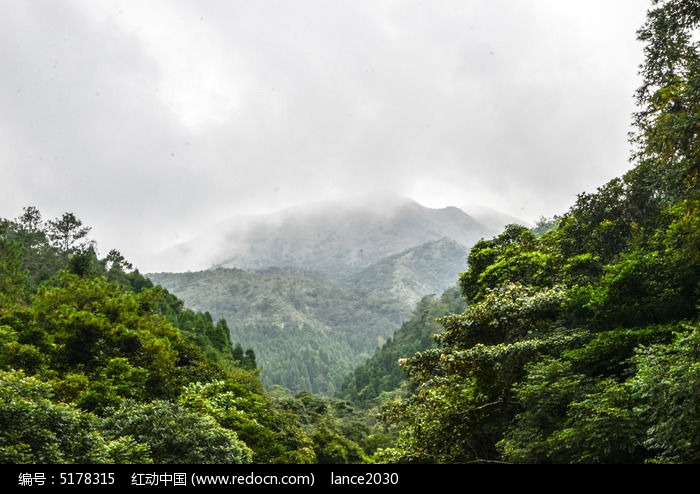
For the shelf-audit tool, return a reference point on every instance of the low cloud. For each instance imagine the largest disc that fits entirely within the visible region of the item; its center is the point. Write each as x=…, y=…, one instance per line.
x=150, y=120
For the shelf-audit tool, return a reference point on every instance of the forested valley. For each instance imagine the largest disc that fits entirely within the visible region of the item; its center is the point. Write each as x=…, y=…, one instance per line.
x=577, y=341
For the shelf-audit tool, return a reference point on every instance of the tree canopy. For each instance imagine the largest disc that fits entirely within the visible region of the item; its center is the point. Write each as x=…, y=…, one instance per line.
x=579, y=343
x=98, y=365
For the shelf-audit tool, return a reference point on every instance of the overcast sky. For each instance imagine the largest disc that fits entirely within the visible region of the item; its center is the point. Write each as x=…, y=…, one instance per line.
x=151, y=119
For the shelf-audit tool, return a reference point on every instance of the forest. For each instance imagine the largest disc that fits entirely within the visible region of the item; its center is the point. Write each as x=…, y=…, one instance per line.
x=574, y=342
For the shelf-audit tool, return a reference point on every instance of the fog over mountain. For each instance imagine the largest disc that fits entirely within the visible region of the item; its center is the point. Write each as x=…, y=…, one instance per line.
x=491, y=218
x=338, y=237
x=148, y=119
x=330, y=281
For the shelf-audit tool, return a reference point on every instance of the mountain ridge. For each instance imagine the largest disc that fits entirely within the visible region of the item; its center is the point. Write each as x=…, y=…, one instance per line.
x=331, y=236
x=331, y=283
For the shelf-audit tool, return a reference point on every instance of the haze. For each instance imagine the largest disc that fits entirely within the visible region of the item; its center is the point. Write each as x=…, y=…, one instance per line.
x=152, y=120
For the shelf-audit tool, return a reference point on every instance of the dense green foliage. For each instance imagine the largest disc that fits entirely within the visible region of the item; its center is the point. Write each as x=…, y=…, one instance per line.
x=98, y=365
x=310, y=328
x=579, y=343
x=308, y=332
x=380, y=375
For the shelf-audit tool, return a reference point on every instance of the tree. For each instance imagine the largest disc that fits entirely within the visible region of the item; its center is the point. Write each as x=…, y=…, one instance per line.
x=667, y=135
x=30, y=226
x=35, y=429
x=12, y=273
x=67, y=233
x=238, y=353
x=249, y=359
x=464, y=400
x=666, y=387
x=116, y=261
x=177, y=435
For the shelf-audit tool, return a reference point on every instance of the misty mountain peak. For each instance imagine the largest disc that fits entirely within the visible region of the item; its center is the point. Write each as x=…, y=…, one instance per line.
x=340, y=237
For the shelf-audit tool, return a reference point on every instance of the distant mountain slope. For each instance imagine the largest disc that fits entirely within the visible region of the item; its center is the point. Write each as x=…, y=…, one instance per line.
x=312, y=289
x=381, y=373
x=307, y=332
x=407, y=277
x=336, y=237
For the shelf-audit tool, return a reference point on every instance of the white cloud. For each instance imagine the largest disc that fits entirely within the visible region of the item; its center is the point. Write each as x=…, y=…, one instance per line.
x=151, y=119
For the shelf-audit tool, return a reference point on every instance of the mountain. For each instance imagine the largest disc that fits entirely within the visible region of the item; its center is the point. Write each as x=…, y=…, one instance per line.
x=307, y=331
x=408, y=276
x=336, y=237
x=381, y=373
x=315, y=289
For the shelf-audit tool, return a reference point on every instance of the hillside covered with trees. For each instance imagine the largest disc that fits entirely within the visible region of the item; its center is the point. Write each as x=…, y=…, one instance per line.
x=307, y=332
x=98, y=365
x=380, y=377
x=581, y=345
x=317, y=289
